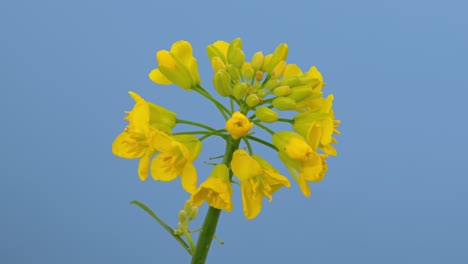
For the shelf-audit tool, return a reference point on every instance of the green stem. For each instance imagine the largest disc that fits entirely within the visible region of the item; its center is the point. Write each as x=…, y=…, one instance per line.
x=224, y=111
x=264, y=127
x=212, y=216
x=268, y=144
x=216, y=133
x=190, y=240
x=290, y=121
x=198, y=132
x=181, y=121
x=249, y=147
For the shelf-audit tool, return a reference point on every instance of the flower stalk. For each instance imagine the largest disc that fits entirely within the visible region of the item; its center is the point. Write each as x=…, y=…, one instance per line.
x=212, y=216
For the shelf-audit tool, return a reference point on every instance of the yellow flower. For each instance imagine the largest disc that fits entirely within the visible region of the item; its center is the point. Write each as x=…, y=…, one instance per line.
x=216, y=190
x=239, y=125
x=318, y=126
x=177, y=66
x=176, y=159
x=145, y=120
x=300, y=159
x=258, y=178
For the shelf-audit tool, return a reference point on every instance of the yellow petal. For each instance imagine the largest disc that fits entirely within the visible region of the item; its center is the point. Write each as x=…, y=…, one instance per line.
x=123, y=147
x=183, y=51
x=304, y=187
x=156, y=76
x=251, y=201
x=292, y=70
x=188, y=178
x=243, y=166
x=143, y=166
x=163, y=169
x=223, y=46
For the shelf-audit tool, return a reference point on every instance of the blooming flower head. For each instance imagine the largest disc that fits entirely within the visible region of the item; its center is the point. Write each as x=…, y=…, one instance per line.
x=258, y=178
x=318, y=126
x=145, y=120
x=239, y=125
x=300, y=159
x=216, y=190
x=176, y=159
x=177, y=66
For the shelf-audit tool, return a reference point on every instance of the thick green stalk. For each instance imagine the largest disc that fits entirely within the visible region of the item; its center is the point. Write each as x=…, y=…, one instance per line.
x=212, y=216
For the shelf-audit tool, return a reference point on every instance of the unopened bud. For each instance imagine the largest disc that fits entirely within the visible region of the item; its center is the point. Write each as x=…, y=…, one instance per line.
x=194, y=213
x=182, y=216
x=240, y=90
x=280, y=54
x=234, y=73
x=266, y=115
x=213, y=51
x=279, y=69
x=257, y=60
x=283, y=90
x=271, y=84
x=248, y=70
x=284, y=103
x=266, y=62
x=174, y=70
x=235, y=54
x=263, y=92
x=252, y=100
x=222, y=83
x=217, y=64
x=259, y=76
x=178, y=231
x=237, y=58
x=311, y=81
x=290, y=81
x=300, y=92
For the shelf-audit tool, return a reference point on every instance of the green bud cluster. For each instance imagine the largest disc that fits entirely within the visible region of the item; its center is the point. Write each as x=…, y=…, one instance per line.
x=185, y=216
x=266, y=81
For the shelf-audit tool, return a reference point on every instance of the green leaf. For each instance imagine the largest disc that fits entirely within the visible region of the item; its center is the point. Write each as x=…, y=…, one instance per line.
x=163, y=224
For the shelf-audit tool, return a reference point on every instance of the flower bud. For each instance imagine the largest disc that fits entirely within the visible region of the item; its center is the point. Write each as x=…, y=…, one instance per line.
x=283, y=90
x=266, y=115
x=217, y=64
x=266, y=62
x=240, y=90
x=310, y=81
x=259, y=76
x=188, y=207
x=174, y=70
x=248, y=71
x=194, y=213
x=252, y=100
x=263, y=92
x=300, y=92
x=222, y=83
x=178, y=231
x=237, y=58
x=182, y=216
x=284, y=103
x=278, y=70
x=234, y=73
x=235, y=55
x=271, y=84
x=257, y=60
x=290, y=81
x=278, y=55
x=213, y=51
x=239, y=125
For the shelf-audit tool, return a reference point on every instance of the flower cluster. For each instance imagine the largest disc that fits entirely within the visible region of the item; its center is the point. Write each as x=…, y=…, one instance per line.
x=259, y=91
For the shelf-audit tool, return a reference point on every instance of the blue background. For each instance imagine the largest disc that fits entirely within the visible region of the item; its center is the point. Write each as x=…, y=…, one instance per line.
x=396, y=193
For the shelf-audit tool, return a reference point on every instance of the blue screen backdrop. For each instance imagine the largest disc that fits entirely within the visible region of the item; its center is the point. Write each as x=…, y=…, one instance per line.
x=396, y=193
